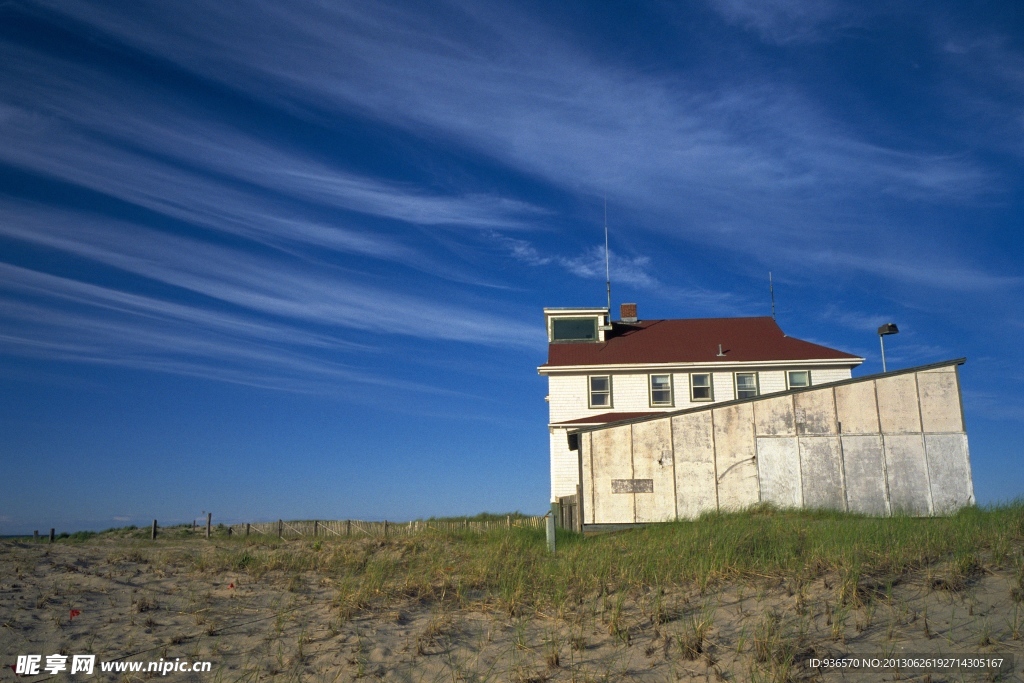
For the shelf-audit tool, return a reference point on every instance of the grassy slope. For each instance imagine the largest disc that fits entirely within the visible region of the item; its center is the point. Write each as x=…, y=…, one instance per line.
x=513, y=568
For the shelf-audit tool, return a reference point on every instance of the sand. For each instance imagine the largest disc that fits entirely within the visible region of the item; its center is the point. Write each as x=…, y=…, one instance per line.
x=126, y=601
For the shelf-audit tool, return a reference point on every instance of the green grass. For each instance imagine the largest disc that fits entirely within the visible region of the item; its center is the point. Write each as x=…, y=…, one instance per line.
x=512, y=567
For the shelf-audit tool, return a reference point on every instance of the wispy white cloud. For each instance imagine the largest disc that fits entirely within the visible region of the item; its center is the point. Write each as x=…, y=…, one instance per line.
x=632, y=271
x=789, y=21
x=313, y=294
x=70, y=103
x=733, y=163
x=915, y=268
x=983, y=86
x=148, y=334
x=854, y=320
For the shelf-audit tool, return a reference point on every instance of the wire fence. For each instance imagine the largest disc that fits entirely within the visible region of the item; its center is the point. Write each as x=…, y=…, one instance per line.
x=356, y=528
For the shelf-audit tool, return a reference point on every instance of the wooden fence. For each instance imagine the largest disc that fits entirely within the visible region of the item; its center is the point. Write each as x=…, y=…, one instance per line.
x=356, y=528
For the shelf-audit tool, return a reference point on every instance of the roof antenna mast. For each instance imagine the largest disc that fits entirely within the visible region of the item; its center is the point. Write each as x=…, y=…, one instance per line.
x=607, y=271
x=771, y=289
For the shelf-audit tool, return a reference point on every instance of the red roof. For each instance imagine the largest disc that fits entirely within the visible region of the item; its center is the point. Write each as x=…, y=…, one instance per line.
x=692, y=340
x=608, y=417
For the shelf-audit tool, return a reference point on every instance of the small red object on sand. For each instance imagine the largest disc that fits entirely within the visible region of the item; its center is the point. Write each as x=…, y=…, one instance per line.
x=231, y=585
x=75, y=613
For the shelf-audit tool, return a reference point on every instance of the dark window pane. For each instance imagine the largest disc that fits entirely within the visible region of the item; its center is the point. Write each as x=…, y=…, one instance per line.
x=574, y=329
x=598, y=384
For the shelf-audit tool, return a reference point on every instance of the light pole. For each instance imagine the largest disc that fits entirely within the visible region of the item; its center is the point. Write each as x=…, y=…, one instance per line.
x=888, y=328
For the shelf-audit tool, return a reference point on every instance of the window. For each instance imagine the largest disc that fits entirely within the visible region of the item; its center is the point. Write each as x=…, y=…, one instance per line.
x=746, y=384
x=700, y=387
x=661, y=390
x=574, y=329
x=798, y=378
x=600, y=391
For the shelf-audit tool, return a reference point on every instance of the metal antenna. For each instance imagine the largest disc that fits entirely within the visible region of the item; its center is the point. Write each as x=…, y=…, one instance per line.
x=771, y=288
x=607, y=271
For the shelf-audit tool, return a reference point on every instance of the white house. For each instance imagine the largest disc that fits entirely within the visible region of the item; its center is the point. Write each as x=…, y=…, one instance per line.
x=600, y=371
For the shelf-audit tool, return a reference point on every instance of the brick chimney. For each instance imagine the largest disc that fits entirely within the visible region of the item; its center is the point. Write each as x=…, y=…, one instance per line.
x=627, y=313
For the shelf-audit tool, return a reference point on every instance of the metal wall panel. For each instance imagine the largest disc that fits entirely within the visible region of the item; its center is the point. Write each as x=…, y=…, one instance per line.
x=653, y=459
x=612, y=460
x=866, y=487
x=778, y=466
x=821, y=472
x=907, y=474
x=694, y=449
x=736, y=451
x=815, y=412
x=940, y=401
x=897, y=404
x=774, y=417
x=949, y=470
x=856, y=408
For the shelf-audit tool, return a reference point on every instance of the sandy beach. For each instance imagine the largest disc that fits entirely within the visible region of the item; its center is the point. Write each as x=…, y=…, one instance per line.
x=126, y=600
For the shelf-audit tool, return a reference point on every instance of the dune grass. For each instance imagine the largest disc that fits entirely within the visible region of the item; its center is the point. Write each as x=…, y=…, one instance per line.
x=513, y=569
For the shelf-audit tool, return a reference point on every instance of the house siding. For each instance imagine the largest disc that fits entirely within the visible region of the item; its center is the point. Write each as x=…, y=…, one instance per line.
x=568, y=400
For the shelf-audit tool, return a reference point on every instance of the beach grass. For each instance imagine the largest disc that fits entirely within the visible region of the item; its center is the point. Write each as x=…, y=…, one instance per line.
x=512, y=567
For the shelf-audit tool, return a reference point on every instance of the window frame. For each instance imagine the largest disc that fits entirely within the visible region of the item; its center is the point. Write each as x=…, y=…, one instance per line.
x=590, y=392
x=710, y=387
x=671, y=390
x=789, y=384
x=736, y=384
x=575, y=340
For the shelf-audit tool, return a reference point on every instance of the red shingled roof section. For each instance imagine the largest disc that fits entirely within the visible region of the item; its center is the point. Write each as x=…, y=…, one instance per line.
x=608, y=417
x=692, y=340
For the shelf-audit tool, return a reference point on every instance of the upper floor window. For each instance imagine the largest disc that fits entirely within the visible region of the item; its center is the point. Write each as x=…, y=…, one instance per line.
x=798, y=378
x=574, y=329
x=600, y=391
x=700, y=387
x=661, y=390
x=746, y=384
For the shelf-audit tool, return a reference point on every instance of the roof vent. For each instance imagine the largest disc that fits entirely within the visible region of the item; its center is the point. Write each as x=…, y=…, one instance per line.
x=720, y=352
x=627, y=313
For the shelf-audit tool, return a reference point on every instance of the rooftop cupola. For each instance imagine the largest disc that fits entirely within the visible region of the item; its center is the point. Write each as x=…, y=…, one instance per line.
x=576, y=325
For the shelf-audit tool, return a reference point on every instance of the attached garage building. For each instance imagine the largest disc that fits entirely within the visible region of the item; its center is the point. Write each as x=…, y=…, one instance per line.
x=884, y=444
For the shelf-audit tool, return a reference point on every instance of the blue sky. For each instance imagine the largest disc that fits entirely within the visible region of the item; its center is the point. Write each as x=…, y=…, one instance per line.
x=289, y=259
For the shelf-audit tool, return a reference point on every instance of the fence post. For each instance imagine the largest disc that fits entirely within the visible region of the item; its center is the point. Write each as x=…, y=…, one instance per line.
x=193, y=526
x=348, y=527
x=35, y=535
x=508, y=521
x=247, y=529
x=152, y=535
x=280, y=528
x=316, y=527
x=209, y=522
x=385, y=528
x=53, y=534
x=551, y=532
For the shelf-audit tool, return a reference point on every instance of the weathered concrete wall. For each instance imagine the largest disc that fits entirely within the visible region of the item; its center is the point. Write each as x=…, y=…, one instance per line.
x=880, y=445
